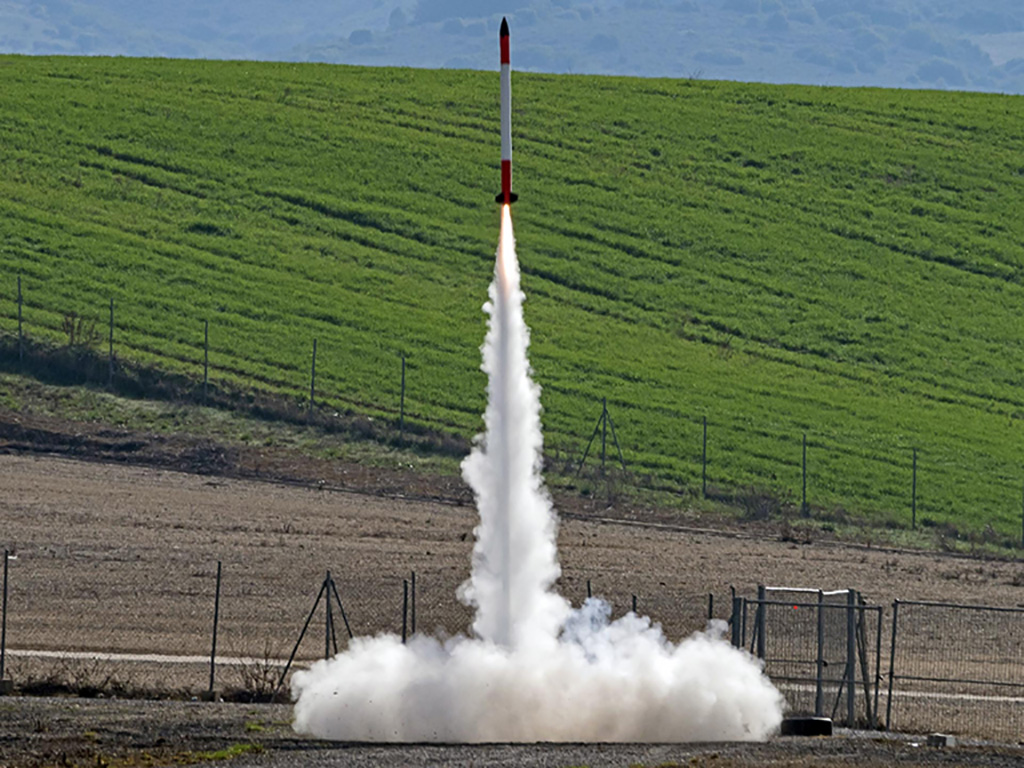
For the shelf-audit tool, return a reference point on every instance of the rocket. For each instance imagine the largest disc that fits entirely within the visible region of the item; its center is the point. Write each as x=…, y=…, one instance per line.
x=507, y=196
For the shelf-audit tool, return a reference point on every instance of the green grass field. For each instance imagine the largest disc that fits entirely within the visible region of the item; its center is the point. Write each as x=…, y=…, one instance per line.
x=782, y=260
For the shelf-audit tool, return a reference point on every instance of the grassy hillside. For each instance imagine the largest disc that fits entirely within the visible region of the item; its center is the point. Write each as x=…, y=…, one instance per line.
x=782, y=260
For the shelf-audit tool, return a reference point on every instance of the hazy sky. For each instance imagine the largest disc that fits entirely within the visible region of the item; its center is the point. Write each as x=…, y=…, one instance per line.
x=892, y=43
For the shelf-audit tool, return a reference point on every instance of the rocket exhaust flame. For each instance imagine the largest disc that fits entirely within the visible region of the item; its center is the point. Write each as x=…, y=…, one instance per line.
x=536, y=670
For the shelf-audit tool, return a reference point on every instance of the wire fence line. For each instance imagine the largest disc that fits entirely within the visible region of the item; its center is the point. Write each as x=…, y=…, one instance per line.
x=823, y=649
x=143, y=627
x=963, y=661
x=954, y=668
x=150, y=627
x=790, y=490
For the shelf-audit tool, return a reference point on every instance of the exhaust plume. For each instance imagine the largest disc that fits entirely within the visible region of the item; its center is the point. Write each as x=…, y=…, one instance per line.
x=536, y=669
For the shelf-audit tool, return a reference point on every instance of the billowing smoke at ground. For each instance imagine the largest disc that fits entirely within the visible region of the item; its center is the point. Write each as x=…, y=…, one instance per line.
x=536, y=670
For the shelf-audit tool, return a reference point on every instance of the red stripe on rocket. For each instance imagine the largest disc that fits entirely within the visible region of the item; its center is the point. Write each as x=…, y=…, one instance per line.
x=506, y=196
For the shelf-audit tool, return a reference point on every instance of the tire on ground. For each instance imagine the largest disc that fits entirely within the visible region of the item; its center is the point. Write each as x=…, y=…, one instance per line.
x=807, y=726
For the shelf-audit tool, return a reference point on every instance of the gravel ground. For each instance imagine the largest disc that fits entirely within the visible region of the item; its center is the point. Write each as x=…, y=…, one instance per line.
x=83, y=732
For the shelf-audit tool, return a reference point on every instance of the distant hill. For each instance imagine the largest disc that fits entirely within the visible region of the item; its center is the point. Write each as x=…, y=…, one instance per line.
x=940, y=44
x=845, y=264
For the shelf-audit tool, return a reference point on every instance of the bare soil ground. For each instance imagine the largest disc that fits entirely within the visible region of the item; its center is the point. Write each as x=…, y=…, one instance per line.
x=117, y=535
x=38, y=732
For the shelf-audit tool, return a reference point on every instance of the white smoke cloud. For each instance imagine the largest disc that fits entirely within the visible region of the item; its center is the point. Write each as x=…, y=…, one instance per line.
x=515, y=560
x=536, y=670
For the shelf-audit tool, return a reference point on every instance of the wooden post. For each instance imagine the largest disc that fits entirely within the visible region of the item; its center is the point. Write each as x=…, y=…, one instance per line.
x=704, y=463
x=206, y=358
x=913, y=494
x=312, y=381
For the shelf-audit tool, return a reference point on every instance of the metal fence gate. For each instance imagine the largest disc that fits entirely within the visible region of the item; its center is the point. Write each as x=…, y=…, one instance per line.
x=821, y=649
x=957, y=668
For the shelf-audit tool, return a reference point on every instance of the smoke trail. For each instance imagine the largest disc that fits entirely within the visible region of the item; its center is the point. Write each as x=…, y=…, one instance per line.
x=514, y=560
x=536, y=670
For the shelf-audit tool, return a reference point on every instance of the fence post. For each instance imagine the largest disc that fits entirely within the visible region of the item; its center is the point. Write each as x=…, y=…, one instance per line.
x=762, y=596
x=324, y=588
x=332, y=587
x=329, y=619
x=819, y=690
x=737, y=607
x=742, y=626
x=851, y=655
x=604, y=429
x=3, y=627
x=110, y=353
x=21, y=338
x=312, y=381
x=634, y=604
x=206, y=358
x=862, y=657
x=602, y=426
x=711, y=606
x=803, y=504
x=216, y=619
x=412, y=612
x=704, y=463
x=892, y=664
x=913, y=494
x=878, y=667
x=589, y=593
x=405, y=606
x=401, y=406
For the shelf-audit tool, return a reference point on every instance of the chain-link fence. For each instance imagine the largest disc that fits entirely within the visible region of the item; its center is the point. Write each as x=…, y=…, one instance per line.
x=957, y=668
x=93, y=622
x=145, y=625
x=822, y=649
x=65, y=345
x=173, y=623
